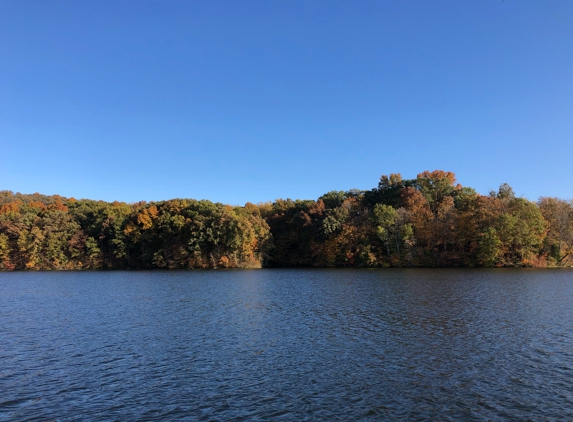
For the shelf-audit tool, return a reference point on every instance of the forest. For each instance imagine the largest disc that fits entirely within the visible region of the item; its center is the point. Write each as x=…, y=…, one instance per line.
x=429, y=221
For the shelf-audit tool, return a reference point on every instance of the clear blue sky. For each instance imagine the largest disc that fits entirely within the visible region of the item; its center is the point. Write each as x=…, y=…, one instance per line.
x=237, y=101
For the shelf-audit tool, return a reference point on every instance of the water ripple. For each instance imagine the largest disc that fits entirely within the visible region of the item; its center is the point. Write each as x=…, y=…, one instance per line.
x=287, y=345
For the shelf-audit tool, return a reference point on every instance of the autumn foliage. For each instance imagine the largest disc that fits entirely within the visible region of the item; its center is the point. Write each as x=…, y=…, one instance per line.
x=427, y=221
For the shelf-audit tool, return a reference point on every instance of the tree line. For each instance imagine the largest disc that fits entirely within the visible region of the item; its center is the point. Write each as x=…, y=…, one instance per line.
x=429, y=221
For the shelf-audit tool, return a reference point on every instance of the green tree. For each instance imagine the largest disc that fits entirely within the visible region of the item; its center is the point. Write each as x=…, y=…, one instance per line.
x=489, y=248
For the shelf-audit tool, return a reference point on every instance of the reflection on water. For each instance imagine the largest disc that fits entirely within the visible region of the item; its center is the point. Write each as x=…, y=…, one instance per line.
x=287, y=344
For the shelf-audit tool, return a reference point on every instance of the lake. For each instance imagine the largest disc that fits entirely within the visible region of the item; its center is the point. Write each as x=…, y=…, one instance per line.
x=287, y=344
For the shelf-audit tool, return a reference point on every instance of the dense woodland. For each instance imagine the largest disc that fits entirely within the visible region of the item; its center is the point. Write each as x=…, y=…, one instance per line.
x=429, y=221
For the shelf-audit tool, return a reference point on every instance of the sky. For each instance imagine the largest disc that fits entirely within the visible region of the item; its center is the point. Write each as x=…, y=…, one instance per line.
x=237, y=101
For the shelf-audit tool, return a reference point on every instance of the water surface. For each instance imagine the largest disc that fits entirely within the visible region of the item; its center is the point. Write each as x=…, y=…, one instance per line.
x=287, y=345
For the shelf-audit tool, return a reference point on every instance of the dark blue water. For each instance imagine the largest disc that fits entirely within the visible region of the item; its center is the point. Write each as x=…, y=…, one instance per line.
x=287, y=345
